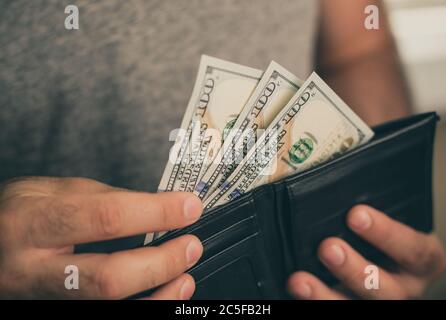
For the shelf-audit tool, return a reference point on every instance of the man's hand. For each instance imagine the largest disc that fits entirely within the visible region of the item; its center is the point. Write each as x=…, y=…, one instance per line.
x=420, y=259
x=42, y=218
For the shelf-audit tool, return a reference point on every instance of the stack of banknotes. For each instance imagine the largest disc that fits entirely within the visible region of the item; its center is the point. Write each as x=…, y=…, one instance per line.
x=244, y=127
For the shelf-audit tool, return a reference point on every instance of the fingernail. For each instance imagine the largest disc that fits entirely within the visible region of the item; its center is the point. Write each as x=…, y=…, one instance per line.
x=193, y=252
x=333, y=256
x=187, y=290
x=192, y=209
x=302, y=290
x=360, y=220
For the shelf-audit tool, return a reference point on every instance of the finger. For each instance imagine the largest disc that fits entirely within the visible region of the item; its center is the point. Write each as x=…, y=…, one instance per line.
x=182, y=288
x=353, y=271
x=121, y=274
x=414, y=251
x=75, y=219
x=306, y=286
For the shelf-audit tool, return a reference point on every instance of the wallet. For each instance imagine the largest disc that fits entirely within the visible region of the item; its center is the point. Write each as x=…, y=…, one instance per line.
x=252, y=244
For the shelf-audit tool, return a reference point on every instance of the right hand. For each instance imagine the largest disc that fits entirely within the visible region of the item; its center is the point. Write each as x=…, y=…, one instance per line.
x=41, y=219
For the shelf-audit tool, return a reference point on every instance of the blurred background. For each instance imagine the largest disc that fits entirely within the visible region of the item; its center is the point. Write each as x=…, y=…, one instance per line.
x=419, y=27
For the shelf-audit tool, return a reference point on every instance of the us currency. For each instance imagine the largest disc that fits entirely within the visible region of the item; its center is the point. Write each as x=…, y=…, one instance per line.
x=274, y=90
x=227, y=88
x=315, y=126
x=221, y=90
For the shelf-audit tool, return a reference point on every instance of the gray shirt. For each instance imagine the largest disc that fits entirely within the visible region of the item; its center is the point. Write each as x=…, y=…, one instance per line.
x=99, y=102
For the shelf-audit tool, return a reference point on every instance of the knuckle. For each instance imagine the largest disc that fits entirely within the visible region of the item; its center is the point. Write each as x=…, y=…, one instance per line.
x=158, y=206
x=78, y=183
x=108, y=219
x=172, y=263
x=425, y=257
x=27, y=186
x=153, y=276
x=354, y=276
x=164, y=270
x=13, y=188
x=106, y=283
x=52, y=217
x=168, y=268
x=163, y=214
x=417, y=256
x=438, y=254
x=75, y=182
x=431, y=256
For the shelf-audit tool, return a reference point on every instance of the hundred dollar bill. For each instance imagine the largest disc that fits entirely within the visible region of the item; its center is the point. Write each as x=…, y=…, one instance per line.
x=225, y=89
x=313, y=127
x=221, y=90
x=273, y=92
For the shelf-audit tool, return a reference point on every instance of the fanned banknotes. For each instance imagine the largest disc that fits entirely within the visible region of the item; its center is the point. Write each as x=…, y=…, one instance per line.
x=274, y=90
x=313, y=127
x=242, y=129
x=220, y=92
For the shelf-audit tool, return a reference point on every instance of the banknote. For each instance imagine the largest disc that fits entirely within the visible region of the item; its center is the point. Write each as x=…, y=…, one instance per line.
x=273, y=92
x=226, y=87
x=315, y=126
x=221, y=90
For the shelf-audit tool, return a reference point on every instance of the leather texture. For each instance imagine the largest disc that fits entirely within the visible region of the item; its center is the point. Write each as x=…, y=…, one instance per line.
x=252, y=244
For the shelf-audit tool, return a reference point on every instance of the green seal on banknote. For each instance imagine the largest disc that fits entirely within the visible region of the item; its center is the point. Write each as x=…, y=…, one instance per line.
x=301, y=150
x=228, y=128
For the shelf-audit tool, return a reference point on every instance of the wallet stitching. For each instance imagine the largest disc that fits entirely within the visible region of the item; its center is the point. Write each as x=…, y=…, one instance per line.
x=227, y=229
x=206, y=218
x=255, y=274
x=223, y=252
x=223, y=210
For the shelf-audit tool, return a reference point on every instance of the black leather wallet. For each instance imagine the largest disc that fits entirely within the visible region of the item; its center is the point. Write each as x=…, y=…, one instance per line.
x=252, y=245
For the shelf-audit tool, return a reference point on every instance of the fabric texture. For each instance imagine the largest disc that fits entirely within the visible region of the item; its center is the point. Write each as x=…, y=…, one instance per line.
x=99, y=102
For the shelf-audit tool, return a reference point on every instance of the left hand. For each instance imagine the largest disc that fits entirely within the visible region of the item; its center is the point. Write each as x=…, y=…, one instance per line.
x=420, y=258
